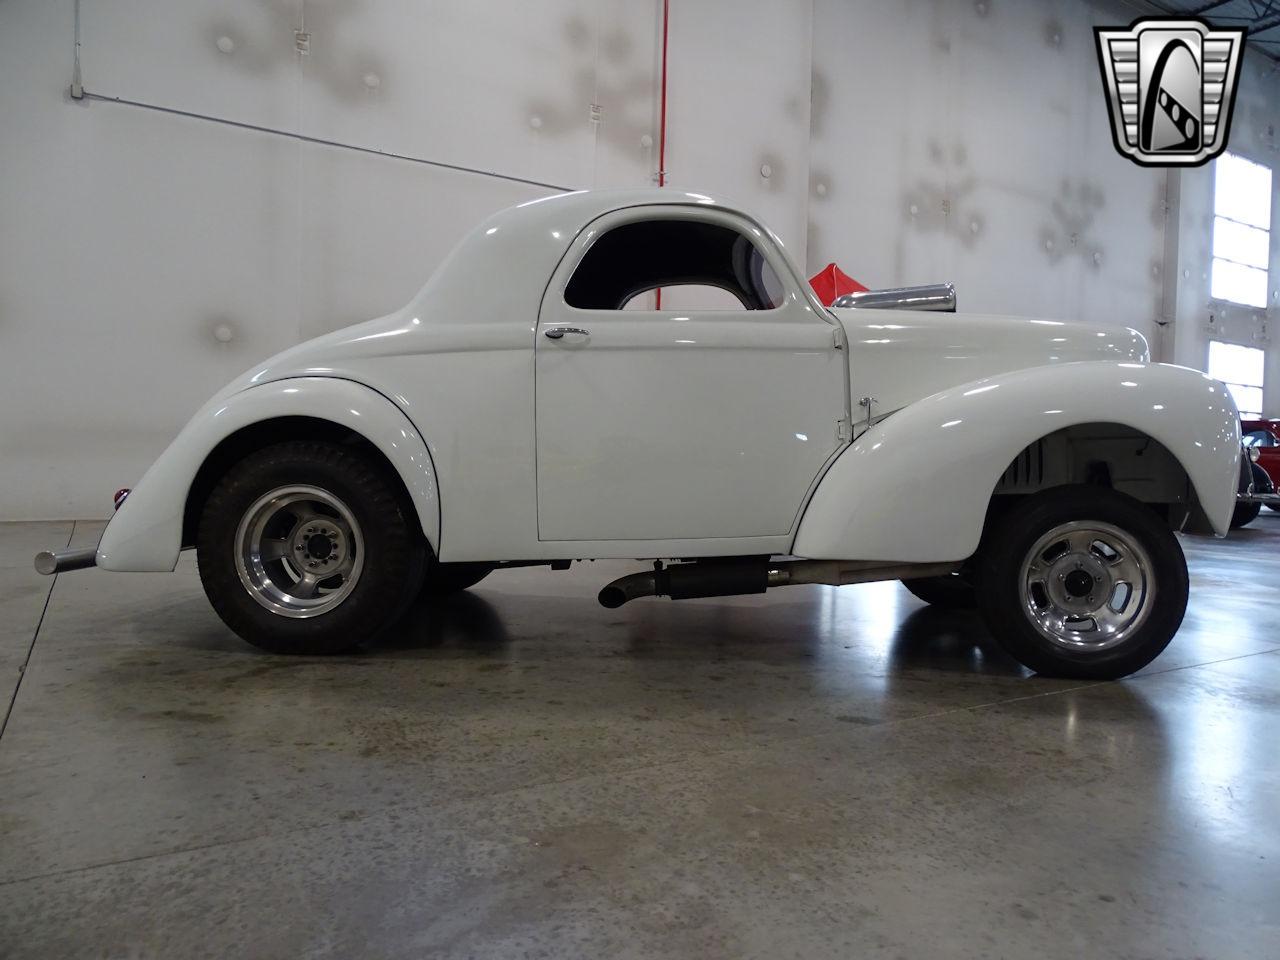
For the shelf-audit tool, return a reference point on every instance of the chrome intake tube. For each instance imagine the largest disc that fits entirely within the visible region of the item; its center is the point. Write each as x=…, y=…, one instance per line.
x=940, y=297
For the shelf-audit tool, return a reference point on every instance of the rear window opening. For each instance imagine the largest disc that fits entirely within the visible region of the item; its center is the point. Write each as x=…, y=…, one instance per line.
x=639, y=257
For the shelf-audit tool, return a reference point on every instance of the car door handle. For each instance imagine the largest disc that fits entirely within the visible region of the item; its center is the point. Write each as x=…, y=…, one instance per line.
x=555, y=333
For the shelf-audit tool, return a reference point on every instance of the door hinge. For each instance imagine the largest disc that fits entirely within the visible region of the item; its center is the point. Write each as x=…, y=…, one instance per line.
x=868, y=402
x=844, y=429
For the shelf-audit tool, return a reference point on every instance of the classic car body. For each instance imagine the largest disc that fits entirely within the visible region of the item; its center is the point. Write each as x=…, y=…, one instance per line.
x=1264, y=436
x=1259, y=468
x=535, y=420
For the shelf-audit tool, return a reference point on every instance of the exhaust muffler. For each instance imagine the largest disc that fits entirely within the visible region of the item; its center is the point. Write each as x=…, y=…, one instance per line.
x=734, y=577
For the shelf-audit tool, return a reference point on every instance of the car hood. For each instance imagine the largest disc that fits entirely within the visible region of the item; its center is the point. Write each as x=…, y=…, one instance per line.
x=899, y=356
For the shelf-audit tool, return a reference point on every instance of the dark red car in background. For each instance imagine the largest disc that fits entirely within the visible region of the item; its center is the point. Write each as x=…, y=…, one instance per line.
x=1265, y=435
x=1261, y=438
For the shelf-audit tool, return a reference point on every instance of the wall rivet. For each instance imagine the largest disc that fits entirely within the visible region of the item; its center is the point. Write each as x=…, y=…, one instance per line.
x=223, y=333
x=766, y=171
x=226, y=44
x=820, y=189
x=372, y=81
x=535, y=122
x=646, y=141
x=914, y=209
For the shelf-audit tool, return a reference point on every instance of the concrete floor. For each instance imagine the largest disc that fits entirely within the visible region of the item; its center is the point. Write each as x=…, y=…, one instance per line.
x=813, y=773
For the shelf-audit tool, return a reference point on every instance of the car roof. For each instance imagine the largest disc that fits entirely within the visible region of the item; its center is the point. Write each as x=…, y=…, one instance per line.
x=508, y=259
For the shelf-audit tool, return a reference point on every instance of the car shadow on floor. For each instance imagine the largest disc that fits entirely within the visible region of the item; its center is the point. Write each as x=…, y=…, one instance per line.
x=956, y=641
x=465, y=621
x=928, y=638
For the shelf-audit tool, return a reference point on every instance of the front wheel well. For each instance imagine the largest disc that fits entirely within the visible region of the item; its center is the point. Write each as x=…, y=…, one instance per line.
x=1111, y=455
x=238, y=445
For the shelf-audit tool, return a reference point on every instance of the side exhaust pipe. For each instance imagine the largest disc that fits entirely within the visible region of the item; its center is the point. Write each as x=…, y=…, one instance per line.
x=684, y=581
x=726, y=578
x=50, y=562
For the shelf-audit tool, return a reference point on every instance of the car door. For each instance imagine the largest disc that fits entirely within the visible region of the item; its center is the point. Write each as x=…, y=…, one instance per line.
x=710, y=421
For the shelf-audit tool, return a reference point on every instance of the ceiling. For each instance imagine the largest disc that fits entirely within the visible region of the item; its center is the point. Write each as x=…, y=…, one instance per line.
x=1260, y=17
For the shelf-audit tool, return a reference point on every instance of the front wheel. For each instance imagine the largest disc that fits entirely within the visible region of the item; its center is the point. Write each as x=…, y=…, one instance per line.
x=308, y=547
x=1082, y=582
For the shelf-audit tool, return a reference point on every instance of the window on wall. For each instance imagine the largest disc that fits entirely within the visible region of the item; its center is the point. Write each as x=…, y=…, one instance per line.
x=1241, y=369
x=1241, y=230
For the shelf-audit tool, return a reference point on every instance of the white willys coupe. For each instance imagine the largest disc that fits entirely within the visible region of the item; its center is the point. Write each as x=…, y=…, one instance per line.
x=521, y=410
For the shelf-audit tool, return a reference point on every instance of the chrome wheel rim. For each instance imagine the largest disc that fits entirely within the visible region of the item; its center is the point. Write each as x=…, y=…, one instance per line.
x=1087, y=586
x=299, y=551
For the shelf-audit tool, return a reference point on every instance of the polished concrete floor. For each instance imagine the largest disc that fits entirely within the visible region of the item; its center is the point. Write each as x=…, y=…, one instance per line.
x=814, y=773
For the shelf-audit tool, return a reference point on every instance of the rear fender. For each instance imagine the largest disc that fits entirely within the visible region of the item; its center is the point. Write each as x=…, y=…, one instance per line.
x=146, y=532
x=916, y=486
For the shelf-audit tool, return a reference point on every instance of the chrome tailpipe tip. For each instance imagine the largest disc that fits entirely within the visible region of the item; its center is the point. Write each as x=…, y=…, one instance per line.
x=50, y=562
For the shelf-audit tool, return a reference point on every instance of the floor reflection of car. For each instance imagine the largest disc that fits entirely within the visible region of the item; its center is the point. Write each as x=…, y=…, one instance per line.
x=1261, y=439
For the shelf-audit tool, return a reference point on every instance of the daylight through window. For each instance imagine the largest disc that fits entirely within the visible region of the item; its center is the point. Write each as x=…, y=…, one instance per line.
x=1241, y=230
x=1241, y=369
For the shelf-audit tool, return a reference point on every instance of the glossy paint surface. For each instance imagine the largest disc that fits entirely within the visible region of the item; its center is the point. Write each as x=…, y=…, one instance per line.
x=661, y=448
x=145, y=533
x=899, y=356
x=819, y=772
x=698, y=423
x=881, y=500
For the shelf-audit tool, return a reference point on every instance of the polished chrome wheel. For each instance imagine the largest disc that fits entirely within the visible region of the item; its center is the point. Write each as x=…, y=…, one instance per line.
x=299, y=551
x=1087, y=586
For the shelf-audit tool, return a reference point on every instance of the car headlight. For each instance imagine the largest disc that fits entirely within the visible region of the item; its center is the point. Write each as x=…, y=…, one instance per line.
x=1254, y=453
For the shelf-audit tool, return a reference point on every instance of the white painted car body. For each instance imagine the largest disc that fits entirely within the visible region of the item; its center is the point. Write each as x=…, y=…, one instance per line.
x=689, y=433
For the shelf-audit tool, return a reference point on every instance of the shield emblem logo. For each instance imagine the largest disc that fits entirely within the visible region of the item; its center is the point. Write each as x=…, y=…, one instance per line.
x=1171, y=86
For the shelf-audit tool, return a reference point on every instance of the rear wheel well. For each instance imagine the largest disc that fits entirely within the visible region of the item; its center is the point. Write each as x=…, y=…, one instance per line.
x=1111, y=455
x=235, y=447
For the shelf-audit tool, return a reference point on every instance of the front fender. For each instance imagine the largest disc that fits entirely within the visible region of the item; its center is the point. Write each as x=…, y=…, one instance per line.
x=915, y=487
x=146, y=532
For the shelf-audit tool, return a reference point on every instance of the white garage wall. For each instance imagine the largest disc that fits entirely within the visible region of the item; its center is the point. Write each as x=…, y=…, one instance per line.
x=1255, y=134
x=970, y=142
x=130, y=238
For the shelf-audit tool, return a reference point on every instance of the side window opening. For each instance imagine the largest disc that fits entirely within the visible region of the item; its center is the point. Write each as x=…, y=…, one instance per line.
x=635, y=258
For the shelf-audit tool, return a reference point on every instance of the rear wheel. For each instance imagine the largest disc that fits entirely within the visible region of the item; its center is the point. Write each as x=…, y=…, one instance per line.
x=307, y=547
x=950, y=592
x=1082, y=582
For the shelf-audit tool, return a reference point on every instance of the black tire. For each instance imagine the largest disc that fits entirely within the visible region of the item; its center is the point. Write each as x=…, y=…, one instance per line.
x=443, y=579
x=1011, y=541
x=951, y=592
x=393, y=549
x=1244, y=514
x=1272, y=506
